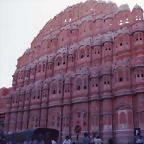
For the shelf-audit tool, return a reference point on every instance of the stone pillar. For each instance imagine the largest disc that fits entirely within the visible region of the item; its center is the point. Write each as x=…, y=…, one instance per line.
x=25, y=120
x=107, y=119
x=6, y=122
x=19, y=121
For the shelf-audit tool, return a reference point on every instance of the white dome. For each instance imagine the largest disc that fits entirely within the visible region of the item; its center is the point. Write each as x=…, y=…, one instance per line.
x=123, y=7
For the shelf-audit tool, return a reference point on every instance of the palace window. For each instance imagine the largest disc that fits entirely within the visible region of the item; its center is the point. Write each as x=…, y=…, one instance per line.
x=120, y=79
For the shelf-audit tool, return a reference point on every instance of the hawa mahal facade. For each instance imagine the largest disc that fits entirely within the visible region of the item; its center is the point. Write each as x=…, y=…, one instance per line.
x=85, y=66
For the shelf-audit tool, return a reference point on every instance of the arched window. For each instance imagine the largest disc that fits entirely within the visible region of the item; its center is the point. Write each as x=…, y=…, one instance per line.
x=84, y=115
x=88, y=52
x=127, y=74
x=64, y=60
x=78, y=84
x=120, y=40
x=120, y=79
x=79, y=114
x=54, y=88
x=59, y=61
x=85, y=83
x=53, y=117
x=67, y=88
x=43, y=67
x=92, y=82
x=54, y=91
x=38, y=92
x=122, y=118
x=60, y=87
x=81, y=53
x=39, y=68
x=72, y=59
x=120, y=74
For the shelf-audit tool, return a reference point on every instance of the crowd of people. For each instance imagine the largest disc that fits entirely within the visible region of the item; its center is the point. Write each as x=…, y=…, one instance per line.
x=86, y=140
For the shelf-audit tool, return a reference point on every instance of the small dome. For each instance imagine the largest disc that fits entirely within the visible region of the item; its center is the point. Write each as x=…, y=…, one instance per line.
x=29, y=87
x=43, y=58
x=27, y=51
x=17, y=91
x=98, y=17
x=33, y=65
x=82, y=71
x=67, y=80
x=23, y=68
x=101, y=1
x=74, y=26
x=123, y=7
x=110, y=2
x=45, y=86
x=50, y=57
x=71, y=52
x=110, y=16
x=106, y=70
x=123, y=31
x=122, y=63
x=136, y=7
x=67, y=27
x=94, y=72
x=138, y=27
x=38, y=83
x=23, y=90
x=107, y=37
x=138, y=63
x=16, y=72
x=58, y=77
x=28, y=66
x=85, y=42
x=97, y=40
x=62, y=50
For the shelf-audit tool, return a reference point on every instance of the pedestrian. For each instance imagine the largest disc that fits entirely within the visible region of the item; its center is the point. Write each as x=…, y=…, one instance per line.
x=67, y=140
x=29, y=141
x=53, y=141
x=140, y=140
x=86, y=139
x=98, y=140
x=25, y=142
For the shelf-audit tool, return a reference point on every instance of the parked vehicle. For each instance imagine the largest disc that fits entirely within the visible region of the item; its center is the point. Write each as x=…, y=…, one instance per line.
x=34, y=134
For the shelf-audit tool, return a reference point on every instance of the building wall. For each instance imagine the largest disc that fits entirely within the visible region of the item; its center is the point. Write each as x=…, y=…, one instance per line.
x=83, y=67
x=3, y=100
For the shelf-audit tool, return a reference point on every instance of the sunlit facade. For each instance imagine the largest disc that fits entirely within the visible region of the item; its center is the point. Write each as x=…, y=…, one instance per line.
x=85, y=66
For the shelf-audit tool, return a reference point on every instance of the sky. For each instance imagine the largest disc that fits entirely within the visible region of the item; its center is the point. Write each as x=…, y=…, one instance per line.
x=21, y=21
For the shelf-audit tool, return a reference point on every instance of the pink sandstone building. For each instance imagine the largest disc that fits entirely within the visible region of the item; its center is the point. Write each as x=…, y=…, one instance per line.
x=85, y=66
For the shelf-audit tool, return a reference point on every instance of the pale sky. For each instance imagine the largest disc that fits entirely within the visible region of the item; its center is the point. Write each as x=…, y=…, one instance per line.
x=20, y=22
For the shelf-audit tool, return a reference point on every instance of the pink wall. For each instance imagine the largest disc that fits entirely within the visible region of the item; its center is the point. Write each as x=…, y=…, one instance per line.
x=85, y=66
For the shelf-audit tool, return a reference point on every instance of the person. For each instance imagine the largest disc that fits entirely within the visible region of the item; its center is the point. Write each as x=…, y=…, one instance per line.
x=25, y=142
x=34, y=142
x=41, y=142
x=98, y=140
x=67, y=140
x=30, y=141
x=140, y=140
x=53, y=141
x=86, y=139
